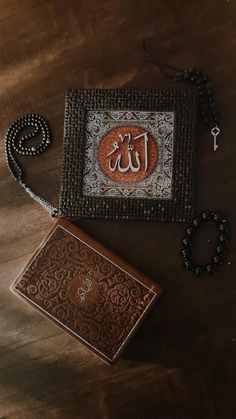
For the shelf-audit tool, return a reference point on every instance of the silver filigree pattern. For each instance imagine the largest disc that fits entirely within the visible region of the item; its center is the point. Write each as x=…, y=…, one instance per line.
x=158, y=184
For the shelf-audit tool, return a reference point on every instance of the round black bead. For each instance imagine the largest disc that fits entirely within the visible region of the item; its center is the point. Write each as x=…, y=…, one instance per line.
x=188, y=265
x=216, y=216
x=223, y=238
x=185, y=252
x=218, y=260
x=223, y=220
x=220, y=248
x=210, y=268
x=197, y=222
x=205, y=215
x=190, y=231
x=223, y=227
x=198, y=271
x=186, y=241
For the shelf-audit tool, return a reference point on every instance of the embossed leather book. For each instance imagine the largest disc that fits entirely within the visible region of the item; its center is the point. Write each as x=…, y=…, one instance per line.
x=128, y=154
x=86, y=290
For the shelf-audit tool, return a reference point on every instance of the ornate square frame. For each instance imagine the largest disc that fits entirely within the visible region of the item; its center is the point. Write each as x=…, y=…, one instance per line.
x=75, y=202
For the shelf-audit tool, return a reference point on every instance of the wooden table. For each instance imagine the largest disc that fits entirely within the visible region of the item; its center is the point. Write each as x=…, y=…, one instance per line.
x=182, y=362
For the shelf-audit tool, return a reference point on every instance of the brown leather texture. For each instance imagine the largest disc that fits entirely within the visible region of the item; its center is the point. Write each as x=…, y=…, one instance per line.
x=86, y=289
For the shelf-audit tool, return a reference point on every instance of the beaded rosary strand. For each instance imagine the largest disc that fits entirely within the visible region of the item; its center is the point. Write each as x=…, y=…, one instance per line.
x=205, y=92
x=210, y=118
x=15, y=144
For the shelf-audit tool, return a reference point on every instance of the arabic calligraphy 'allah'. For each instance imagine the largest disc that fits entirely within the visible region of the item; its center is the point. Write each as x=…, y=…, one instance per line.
x=128, y=153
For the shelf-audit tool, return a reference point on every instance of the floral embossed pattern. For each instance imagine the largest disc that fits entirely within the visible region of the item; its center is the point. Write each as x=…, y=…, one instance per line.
x=86, y=293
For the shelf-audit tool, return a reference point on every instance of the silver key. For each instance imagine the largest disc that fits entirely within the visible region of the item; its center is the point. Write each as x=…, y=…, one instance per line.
x=215, y=132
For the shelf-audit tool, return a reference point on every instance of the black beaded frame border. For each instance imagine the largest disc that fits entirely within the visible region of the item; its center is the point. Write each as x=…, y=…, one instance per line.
x=177, y=209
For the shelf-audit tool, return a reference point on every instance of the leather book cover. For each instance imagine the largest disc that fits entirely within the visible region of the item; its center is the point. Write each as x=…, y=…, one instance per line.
x=86, y=290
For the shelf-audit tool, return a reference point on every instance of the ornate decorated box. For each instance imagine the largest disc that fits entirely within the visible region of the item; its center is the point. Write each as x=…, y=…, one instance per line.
x=128, y=154
x=86, y=290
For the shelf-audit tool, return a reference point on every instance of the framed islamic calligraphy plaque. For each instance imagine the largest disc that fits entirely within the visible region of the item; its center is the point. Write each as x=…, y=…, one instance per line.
x=128, y=154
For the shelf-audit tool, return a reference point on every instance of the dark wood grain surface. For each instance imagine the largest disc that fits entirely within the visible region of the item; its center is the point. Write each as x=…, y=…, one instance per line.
x=182, y=362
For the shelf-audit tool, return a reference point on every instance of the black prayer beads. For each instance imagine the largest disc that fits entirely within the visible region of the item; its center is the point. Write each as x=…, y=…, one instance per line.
x=16, y=143
x=221, y=246
x=15, y=140
x=206, y=96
